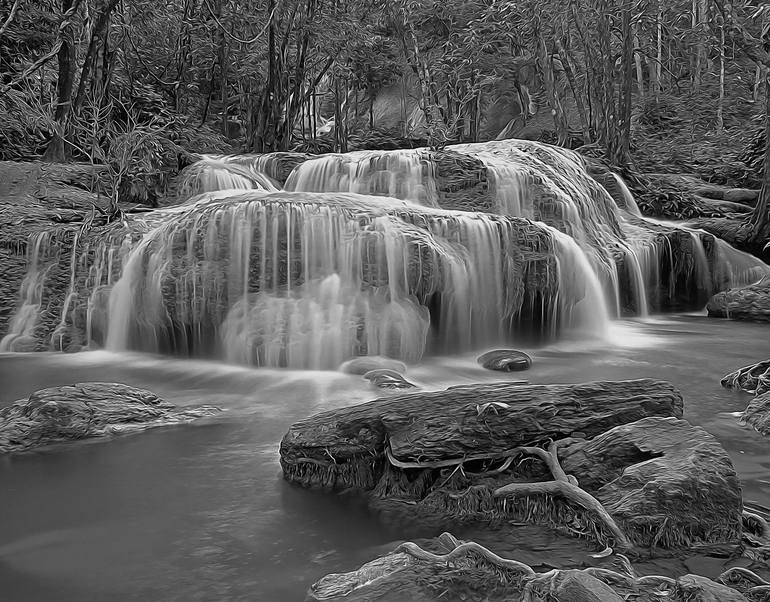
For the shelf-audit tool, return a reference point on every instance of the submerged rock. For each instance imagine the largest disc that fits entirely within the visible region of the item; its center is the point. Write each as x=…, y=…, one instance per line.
x=751, y=303
x=505, y=360
x=86, y=410
x=387, y=379
x=368, y=363
x=757, y=414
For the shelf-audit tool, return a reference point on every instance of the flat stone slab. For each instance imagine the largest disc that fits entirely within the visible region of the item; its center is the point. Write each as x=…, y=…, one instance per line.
x=84, y=411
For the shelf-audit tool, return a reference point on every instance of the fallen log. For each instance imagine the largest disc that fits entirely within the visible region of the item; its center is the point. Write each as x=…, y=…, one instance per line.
x=346, y=448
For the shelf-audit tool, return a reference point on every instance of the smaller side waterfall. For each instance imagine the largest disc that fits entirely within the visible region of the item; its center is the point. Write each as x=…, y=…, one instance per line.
x=22, y=327
x=403, y=174
x=582, y=304
x=211, y=174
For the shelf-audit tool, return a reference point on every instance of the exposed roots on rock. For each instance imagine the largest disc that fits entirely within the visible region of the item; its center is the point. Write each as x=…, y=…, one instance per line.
x=470, y=554
x=565, y=486
x=757, y=525
x=476, y=561
x=743, y=577
x=760, y=593
x=752, y=379
x=507, y=454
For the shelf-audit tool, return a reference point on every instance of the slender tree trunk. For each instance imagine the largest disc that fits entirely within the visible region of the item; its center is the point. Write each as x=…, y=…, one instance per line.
x=58, y=149
x=721, y=102
x=638, y=63
x=98, y=32
x=659, y=49
x=566, y=62
x=549, y=79
x=624, y=112
x=760, y=218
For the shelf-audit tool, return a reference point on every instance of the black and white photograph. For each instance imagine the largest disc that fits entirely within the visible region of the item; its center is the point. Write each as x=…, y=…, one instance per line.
x=384, y=301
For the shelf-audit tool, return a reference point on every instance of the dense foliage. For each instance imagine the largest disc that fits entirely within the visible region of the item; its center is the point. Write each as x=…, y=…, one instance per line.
x=641, y=83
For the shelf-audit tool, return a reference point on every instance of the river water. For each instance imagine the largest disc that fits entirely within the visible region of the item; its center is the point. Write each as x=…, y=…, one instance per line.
x=200, y=512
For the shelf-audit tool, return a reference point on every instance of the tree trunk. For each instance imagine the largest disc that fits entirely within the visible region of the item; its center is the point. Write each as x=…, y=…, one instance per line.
x=623, y=156
x=721, y=102
x=58, y=149
x=549, y=80
x=760, y=219
x=98, y=34
x=638, y=63
x=567, y=63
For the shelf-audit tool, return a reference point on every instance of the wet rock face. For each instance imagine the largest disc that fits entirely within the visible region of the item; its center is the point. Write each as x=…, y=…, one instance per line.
x=387, y=379
x=652, y=473
x=363, y=365
x=86, y=410
x=751, y=303
x=757, y=414
x=505, y=360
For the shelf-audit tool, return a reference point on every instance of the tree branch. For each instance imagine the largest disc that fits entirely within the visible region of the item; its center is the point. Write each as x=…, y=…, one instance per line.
x=8, y=21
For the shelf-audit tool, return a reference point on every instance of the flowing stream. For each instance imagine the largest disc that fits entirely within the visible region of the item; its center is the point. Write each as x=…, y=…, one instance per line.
x=200, y=512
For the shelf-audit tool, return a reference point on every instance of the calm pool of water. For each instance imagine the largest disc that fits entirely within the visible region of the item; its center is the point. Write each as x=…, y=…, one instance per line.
x=200, y=512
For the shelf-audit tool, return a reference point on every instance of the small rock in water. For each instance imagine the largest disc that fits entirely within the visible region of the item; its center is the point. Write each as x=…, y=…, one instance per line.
x=505, y=360
x=387, y=379
x=364, y=364
x=86, y=410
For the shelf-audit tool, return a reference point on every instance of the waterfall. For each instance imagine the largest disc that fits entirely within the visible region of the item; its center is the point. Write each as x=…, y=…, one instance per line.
x=213, y=173
x=310, y=280
x=401, y=174
x=356, y=256
x=22, y=328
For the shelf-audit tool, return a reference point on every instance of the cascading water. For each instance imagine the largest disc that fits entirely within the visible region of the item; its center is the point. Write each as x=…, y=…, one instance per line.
x=309, y=280
x=22, y=328
x=402, y=174
x=211, y=174
x=313, y=275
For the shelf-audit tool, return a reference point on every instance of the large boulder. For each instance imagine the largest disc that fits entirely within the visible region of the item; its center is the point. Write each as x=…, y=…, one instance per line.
x=347, y=448
x=651, y=474
x=86, y=410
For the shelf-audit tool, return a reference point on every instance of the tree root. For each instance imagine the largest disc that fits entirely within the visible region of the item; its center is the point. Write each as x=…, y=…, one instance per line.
x=460, y=552
x=565, y=486
x=507, y=455
x=752, y=379
x=757, y=524
x=532, y=582
x=741, y=575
